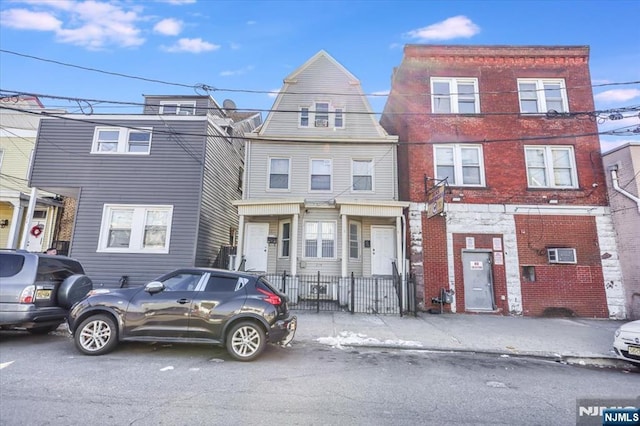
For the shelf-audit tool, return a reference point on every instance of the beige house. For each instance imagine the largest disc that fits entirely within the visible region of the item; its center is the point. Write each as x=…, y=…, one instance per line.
x=19, y=120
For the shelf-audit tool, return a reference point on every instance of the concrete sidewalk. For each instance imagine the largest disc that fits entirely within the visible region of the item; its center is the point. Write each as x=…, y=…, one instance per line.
x=570, y=340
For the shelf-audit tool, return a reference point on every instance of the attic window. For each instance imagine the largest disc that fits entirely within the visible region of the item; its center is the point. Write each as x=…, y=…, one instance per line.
x=177, y=108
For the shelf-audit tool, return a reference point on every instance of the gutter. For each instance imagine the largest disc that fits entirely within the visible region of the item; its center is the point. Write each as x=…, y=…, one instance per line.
x=616, y=186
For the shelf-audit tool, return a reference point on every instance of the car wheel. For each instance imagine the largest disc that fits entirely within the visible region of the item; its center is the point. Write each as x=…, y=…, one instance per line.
x=42, y=330
x=96, y=335
x=246, y=341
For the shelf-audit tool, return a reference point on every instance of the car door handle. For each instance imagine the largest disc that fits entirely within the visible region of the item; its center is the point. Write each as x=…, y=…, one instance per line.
x=182, y=301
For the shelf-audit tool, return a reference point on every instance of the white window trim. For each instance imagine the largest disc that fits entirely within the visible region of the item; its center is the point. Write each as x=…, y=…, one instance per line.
x=137, y=229
x=457, y=164
x=178, y=104
x=123, y=140
x=335, y=240
x=343, y=114
x=548, y=168
x=541, y=99
x=288, y=188
x=311, y=160
x=359, y=225
x=373, y=180
x=453, y=81
x=281, y=239
x=308, y=108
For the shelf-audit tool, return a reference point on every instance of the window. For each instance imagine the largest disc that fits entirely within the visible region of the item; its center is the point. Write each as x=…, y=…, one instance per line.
x=279, y=173
x=550, y=167
x=223, y=284
x=321, y=175
x=354, y=240
x=362, y=175
x=541, y=95
x=460, y=164
x=178, y=108
x=319, y=239
x=285, y=238
x=322, y=114
x=130, y=229
x=455, y=96
x=182, y=281
x=119, y=140
x=339, y=118
x=304, y=117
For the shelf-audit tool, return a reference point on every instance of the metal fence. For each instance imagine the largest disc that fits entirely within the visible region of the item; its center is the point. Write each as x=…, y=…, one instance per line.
x=373, y=295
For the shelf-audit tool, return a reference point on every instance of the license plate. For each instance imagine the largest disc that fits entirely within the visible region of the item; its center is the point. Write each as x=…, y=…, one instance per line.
x=634, y=350
x=43, y=294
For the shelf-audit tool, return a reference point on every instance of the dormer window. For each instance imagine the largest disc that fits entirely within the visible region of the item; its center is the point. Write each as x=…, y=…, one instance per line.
x=339, y=118
x=177, y=108
x=304, y=117
x=321, y=115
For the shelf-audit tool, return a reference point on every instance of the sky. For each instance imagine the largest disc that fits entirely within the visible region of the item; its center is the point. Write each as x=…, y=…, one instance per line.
x=94, y=51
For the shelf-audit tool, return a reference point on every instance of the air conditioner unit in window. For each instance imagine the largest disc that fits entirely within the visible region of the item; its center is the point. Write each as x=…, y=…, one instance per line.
x=561, y=255
x=322, y=123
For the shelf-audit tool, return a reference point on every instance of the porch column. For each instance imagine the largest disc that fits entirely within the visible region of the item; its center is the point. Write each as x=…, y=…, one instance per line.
x=27, y=223
x=14, y=229
x=399, y=259
x=345, y=245
x=294, y=245
x=240, y=247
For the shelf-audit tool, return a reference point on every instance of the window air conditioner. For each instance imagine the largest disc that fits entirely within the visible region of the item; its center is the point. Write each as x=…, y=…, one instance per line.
x=322, y=123
x=561, y=255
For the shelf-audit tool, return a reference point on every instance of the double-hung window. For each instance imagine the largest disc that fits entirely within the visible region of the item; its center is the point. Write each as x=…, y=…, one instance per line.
x=177, y=108
x=354, y=240
x=338, y=120
x=304, y=116
x=120, y=140
x=455, y=96
x=362, y=175
x=542, y=95
x=460, y=164
x=551, y=167
x=279, y=173
x=320, y=175
x=321, y=115
x=319, y=240
x=285, y=238
x=135, y=229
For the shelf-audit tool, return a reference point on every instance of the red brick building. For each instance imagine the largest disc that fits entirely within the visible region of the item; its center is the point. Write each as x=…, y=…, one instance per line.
x=525, y=228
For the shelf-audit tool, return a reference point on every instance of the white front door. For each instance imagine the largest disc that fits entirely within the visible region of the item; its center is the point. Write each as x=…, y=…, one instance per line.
x=255, y=243
x=383, y=249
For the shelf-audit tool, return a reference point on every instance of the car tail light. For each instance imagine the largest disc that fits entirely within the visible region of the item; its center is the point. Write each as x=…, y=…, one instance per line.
x=27, y=294
x=271, y=298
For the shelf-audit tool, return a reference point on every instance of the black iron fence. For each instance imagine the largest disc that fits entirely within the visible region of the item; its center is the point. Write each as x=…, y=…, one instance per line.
x=374, y=295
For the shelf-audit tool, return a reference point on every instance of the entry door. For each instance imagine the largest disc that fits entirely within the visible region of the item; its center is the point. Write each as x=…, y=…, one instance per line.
x=255, y=243
x=383, y=249
x=478, y=281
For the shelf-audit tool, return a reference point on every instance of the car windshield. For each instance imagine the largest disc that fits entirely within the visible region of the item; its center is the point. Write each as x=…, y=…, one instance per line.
x=184, y=281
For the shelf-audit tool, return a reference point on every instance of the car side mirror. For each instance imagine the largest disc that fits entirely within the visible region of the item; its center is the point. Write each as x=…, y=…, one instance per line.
x=154, y=287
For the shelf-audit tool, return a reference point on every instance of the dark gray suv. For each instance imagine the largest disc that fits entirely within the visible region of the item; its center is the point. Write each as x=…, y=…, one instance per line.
x=37, y=290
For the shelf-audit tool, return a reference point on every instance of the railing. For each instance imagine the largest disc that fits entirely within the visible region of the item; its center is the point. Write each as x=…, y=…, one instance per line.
x=374, y=295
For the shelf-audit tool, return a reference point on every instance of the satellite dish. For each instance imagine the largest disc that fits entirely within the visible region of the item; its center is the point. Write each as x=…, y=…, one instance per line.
x=229, y=104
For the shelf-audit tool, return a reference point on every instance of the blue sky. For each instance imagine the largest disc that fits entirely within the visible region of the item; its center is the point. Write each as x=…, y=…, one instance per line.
x=240, y=47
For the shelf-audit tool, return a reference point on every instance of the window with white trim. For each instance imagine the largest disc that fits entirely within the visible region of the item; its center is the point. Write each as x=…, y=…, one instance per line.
x=455, y=96
x=177, y=108
x=321, y=115
x=285, y=238
x=320, y=175
x=319, y=240
x=304, y=116
x=338, y=120
x=135, y=229
x=460, y=164
x=279, y=171
x=354, y=240
x=121, y=140
x=362, y=175
x=542, y=95
x=551, y=167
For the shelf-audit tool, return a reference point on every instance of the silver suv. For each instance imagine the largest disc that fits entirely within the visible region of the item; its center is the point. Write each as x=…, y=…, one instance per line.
x=37, y=290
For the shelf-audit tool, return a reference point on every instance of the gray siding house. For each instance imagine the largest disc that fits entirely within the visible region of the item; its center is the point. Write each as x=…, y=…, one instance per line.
x=321, y=185
x=153, y=191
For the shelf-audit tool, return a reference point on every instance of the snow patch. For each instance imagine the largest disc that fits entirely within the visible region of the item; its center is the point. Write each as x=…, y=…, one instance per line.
x=348, y=338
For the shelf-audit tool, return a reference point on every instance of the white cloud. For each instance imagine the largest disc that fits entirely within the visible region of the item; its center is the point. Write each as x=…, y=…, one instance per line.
x=169, y=26
x=192, y=45
x=456, y=27
x=251, y=22
x=23, y=19
x=177, y=2
x=273, y=93
x=380, y=93
x=617, y=95
x=240, y=71
x=234, y=46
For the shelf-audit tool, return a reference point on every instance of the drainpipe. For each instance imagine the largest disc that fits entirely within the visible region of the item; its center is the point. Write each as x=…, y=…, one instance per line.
x=616, y=186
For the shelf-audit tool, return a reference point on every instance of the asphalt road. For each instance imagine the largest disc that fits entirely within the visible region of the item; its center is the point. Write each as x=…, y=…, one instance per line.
x=45, y=381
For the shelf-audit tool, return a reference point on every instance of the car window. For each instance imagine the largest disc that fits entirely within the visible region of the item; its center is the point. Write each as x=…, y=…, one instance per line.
x=57, y=268
x=184, y=281
x=10, y=264
x=224, y=284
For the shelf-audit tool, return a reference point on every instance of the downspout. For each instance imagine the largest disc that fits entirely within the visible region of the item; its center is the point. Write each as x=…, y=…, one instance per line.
x=403, y=266
x=616, y=186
